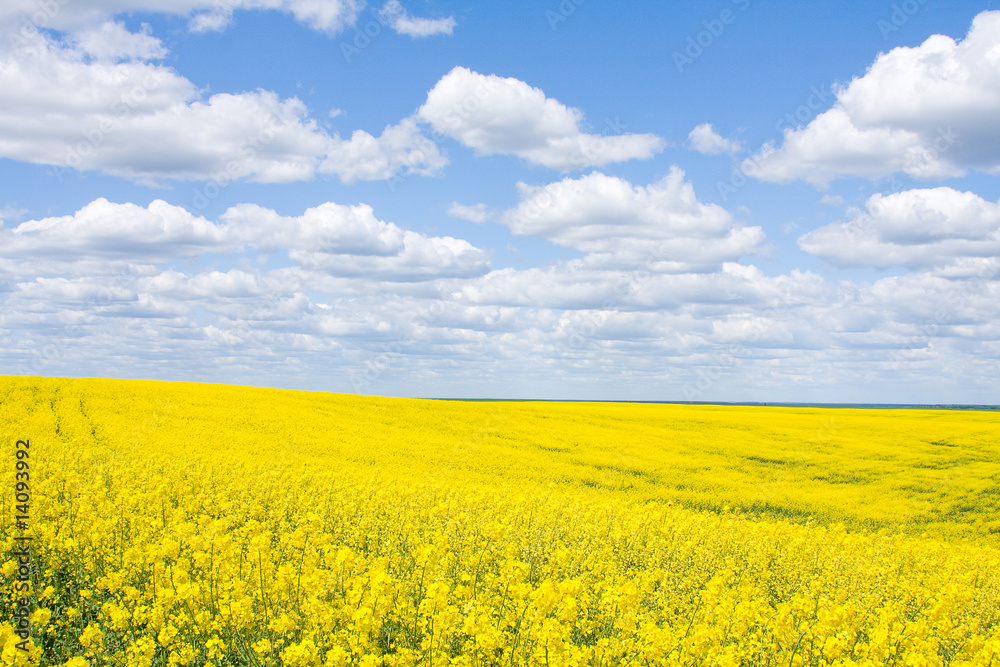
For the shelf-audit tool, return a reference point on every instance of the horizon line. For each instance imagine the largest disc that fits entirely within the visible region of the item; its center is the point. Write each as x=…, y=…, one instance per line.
x=900, y=406
x=807, y=404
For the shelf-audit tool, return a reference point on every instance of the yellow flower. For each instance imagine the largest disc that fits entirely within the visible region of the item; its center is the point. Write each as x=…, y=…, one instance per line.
x=41, y=616
x=392, y=532
x=215, y=647
x=91, y=636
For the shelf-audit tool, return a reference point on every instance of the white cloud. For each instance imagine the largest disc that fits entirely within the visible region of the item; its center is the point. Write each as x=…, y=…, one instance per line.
x=145, y=122
x=23, y=18
x=739, y=333
x=496, y=115
x=401, y=21
x=351, y=241
x=105, y=230
x=113, y=41
x=477, y=213
x=707, y=141
x=334, y=239
x=620, y=224
x=420, y=259
x=928, y=111
x=337, y=317
x=579, y=285
x=832, y=200
x=329, y=228
x=209, y=21
x=400, y=147
x=11, y=213
x=832, y=146
x=916, y=229
x=329, y=16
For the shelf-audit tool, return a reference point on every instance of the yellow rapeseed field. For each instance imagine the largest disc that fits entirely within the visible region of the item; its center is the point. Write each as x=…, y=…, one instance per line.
x=188, y=524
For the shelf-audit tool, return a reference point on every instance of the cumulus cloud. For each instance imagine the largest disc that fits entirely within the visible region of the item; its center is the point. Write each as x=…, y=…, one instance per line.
x=104, y=230
x=352, y=303
x=620, y=224
x=916, y=229
x=497, y=115
x=579, y=285
x=209, y=21
x=401, y=21
x=477, y=213
x=113, y=41
x=927, y=111
x=400, y=148
x=145, y=122
x=329, y=16
x=351, y=241
x=707, y=141
x=11, y=213
x=741, y=331
x=335, y=239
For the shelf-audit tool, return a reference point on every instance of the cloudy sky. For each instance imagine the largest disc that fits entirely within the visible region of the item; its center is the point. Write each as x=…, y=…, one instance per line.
x=733, y=200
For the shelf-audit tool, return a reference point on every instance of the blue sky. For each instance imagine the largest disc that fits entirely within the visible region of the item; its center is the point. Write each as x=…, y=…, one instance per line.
x=721, y=201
